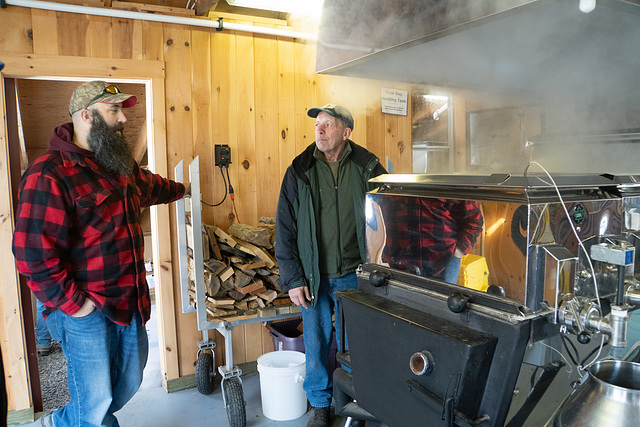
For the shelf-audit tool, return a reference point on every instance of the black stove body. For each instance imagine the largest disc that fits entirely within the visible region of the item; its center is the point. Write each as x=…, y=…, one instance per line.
x=426, y=352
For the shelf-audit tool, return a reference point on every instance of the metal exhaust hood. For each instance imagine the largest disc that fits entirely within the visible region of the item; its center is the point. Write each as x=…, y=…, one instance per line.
x=545, y=47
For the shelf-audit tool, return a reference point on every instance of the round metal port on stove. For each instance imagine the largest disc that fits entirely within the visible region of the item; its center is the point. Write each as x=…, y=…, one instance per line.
x=421, y=363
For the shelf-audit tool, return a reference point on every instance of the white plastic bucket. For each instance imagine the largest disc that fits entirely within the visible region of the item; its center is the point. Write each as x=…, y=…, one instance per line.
x=281, y=377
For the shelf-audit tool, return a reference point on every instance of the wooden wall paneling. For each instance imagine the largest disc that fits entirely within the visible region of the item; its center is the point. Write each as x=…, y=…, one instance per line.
x=224, y=102
x=137, y=51
x=246, y=156
x=286, y=104
x=305, y=93
x=73, y=30
x=49, y=103
x=12, y=330
x=238, y=345
x=390, y=140
x=152, y=41
x=16, y=38
x=267, y=135
x=201, y=109
x=101, y=37
x=375, y=130
x=123, y=38
x=178, y=69
x=253, y=336
x=246, y=198
x=405, y=142
x=45, y=32
x=161, y=240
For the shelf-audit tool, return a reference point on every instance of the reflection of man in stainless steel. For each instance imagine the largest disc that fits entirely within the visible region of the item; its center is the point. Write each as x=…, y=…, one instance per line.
x=430, y=236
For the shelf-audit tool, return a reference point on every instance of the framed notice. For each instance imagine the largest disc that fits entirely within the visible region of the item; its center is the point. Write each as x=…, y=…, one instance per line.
x=394, y=101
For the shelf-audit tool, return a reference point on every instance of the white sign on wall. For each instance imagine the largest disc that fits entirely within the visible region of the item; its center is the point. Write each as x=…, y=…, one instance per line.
x=394, y=101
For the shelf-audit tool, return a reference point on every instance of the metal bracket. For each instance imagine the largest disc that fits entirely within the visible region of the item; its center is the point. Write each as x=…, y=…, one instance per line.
x=220, y=24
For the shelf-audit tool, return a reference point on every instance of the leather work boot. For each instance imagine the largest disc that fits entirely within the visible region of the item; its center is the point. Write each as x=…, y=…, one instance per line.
x=319, y=417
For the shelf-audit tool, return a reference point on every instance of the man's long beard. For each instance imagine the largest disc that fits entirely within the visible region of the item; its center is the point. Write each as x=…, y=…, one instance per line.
x=111, y=149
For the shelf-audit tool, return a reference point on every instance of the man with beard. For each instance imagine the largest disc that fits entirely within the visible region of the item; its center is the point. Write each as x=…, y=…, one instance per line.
x=78, y=240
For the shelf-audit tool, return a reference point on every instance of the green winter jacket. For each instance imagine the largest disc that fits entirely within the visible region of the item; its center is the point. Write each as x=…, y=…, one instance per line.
x=297, y=215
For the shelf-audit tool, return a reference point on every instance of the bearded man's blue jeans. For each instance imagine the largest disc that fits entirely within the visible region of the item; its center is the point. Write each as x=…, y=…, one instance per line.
x=318, y=333
x=105, y=363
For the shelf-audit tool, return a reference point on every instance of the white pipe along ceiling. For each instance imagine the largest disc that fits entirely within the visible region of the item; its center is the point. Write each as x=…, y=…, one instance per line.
x=126, y=14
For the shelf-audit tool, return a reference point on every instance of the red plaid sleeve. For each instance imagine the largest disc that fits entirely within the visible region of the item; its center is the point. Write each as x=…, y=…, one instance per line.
x=41, y=238
x=155, y=189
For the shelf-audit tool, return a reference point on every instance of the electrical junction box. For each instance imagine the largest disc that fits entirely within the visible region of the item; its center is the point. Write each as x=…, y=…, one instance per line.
x=222, y=155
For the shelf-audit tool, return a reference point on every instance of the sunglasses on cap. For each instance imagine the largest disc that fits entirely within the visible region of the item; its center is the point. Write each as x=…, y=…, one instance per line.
x=112, y=89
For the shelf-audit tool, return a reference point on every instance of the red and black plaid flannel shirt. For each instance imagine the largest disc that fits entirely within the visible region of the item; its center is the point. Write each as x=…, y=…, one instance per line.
x=78, y=233
x=424, y=233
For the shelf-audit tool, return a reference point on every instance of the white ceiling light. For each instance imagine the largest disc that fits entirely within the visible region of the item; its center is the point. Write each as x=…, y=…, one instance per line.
x=302, y=7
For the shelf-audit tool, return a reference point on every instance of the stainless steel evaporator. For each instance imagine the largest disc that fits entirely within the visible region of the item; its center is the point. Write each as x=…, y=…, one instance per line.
x=546, y=290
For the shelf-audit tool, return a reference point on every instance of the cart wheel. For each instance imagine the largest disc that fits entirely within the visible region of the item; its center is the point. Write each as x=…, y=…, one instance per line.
x=236, y=411
x=205, y=373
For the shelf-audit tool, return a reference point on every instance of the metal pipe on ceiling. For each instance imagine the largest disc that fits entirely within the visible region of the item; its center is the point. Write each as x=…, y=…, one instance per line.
x=126, y=14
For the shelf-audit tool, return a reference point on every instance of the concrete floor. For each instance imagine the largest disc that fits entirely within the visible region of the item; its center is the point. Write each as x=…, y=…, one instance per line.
x=152, y=406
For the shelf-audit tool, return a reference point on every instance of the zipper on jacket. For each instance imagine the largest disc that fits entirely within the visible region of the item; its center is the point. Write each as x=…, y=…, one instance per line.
x=338, y=219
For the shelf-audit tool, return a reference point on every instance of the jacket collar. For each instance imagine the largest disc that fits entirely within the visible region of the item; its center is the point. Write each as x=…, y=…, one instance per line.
x=71, y=154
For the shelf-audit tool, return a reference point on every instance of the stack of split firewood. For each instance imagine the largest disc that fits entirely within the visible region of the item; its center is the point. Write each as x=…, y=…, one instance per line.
x=240, y=272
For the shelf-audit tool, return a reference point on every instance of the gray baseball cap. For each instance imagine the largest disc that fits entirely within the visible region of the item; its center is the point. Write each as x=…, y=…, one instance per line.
x=334, y=110
x=90, y=93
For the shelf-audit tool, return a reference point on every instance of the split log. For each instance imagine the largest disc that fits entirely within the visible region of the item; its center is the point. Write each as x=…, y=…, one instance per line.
x=235, y=294
x=249, y=266
x=224, y=237
x=262, y=254
x=266, y=312
x=213, y=242
x=251, y=288
x=215, y=266
x=229, y=284
x=258, y=291
x=226, y=273
x=211, y=282
x=268, y=296
x=242, y=279
x=256, y=235
x=267, y=220
x=281, y=301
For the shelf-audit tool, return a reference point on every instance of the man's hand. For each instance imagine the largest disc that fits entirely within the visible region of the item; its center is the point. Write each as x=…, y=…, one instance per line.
x=300, y=296
x=187, y=188
x=87, y=308
x=458, y=253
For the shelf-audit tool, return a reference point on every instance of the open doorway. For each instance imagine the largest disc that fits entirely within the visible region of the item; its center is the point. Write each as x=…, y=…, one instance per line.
x=35, y=107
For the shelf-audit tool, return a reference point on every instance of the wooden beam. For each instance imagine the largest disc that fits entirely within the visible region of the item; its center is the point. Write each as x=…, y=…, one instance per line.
x=203, y=6
x=12, y=330
x=140, y=147
x=151, y=8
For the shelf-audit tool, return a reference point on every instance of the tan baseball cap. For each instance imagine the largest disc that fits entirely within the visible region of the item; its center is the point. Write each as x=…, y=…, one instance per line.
x=334, y=110
x=90, y=93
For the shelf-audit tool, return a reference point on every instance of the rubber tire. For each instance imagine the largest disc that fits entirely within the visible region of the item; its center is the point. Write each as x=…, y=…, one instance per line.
x=236, y=411
x=205, y=373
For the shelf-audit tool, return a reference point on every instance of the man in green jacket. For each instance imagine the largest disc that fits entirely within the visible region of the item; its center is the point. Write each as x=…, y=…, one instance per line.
x=320, y=237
